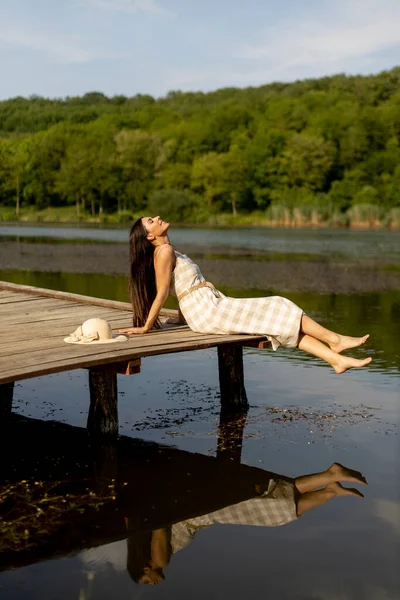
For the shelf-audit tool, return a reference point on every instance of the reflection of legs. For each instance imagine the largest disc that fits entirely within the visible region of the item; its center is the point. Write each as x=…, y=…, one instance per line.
x=336, y=472
x=336, y=341
x=337, y=361
x=307, y=486
x=312, y=499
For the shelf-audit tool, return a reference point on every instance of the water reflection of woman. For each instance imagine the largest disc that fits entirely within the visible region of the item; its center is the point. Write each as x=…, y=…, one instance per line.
x=277, y=502
x=157, y=270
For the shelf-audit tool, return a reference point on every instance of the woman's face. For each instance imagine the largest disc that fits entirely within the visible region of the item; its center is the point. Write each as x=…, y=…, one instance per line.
x=155, y=226
x=152, y=576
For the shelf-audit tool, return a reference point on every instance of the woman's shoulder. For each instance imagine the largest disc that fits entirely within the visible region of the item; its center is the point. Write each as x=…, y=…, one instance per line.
x=164, y=256
x=165, y=249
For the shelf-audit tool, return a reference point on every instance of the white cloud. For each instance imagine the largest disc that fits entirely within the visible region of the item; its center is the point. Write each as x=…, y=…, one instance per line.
x=389, y=511
x=65, y=48
x=357, y=30
x=62, y=48
x=113, y=555
x=347, y=39
x=148, y=6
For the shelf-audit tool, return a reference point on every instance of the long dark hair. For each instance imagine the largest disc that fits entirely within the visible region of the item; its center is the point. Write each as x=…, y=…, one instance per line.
x=139, y=553
x=142, y=283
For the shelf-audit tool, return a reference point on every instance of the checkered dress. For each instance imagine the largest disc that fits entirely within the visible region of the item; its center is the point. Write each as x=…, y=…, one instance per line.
x=207, y=310
x=277, y=506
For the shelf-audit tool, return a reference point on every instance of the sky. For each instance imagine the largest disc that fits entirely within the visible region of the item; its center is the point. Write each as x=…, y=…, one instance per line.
x=58, y=48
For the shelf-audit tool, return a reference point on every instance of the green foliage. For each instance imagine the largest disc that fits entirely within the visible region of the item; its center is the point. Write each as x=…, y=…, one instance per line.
x=179, y=205
x=311, y=150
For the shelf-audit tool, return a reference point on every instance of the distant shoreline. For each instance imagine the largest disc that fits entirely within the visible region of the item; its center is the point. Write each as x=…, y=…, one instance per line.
x=354, y=226
x=317, y=276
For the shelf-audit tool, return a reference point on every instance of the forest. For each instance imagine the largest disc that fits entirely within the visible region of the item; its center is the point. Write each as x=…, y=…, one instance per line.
x=314, y=152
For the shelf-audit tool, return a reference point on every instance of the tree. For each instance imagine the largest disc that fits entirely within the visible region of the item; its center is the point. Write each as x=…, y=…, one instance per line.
x=46, y=151
x=179, y=205
x=140, y=155
x=306, y=161
x=208, y=176
x=14, y=157
x=235, y=172
x=88, y=170
x=175, y=176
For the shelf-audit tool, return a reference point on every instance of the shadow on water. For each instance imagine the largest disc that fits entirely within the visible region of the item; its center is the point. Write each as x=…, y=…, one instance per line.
x=115, y=515
x=71, y=492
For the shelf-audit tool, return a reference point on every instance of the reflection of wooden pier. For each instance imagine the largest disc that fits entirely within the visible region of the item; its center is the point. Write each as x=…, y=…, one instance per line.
x=34, y=322
x=150, y=484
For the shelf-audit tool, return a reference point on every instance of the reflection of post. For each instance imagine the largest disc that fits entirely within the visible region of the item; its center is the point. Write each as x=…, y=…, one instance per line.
x=105, y=457
x=103, y=411
x=230, y=434
x=231, y=377
x=6, y=398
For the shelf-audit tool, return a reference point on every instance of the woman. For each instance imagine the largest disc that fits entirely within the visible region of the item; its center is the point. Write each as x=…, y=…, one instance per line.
x=158, y=270
x=278, y=502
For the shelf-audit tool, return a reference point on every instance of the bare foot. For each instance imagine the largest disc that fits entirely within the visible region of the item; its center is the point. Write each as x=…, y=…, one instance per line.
x=344, y=342
x=346, y=362
x=339, y=490
x=342, y=473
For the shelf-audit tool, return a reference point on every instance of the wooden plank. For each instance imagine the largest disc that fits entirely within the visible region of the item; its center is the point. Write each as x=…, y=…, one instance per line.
x=38, y=303
x=59, y=312
x=33, y=330
x=6, y=294
x=6, y=286
x=43, y=366
x=11, y=294
x=33, y=335
x=179, y=335
x=65, y=310
x=28, y=289
x=70, y=316
x=141, y=344
x=52, y=340
x=15, y=299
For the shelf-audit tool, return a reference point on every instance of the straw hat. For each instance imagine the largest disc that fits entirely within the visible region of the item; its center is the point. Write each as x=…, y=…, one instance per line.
x=94, y=331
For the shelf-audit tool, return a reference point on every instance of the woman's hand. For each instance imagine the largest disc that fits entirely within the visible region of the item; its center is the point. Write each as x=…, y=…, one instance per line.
x=134, y=331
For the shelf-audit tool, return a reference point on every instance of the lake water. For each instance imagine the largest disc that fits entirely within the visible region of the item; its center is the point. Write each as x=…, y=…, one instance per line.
x=172, y=464
x=317, y=242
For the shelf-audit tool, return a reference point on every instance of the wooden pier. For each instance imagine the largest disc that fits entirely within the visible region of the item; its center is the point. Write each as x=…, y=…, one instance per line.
x=34, y=322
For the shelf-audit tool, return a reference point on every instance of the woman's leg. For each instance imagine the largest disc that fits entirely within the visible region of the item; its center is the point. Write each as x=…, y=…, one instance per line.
x=310, y=496
x=337, y=361
x=336, y=472
x=336, y=341
x=310, y=500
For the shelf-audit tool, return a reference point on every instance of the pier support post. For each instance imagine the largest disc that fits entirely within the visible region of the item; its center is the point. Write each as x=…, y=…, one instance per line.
x=6, y=398
x=103, y=411
x=231, y=377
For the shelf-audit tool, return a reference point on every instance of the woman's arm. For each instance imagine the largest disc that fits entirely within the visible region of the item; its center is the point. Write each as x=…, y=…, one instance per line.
x=160, y=548
x=164, y=263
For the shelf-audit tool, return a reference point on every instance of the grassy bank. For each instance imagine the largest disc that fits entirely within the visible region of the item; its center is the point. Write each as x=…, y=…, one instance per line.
x=360, y=216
